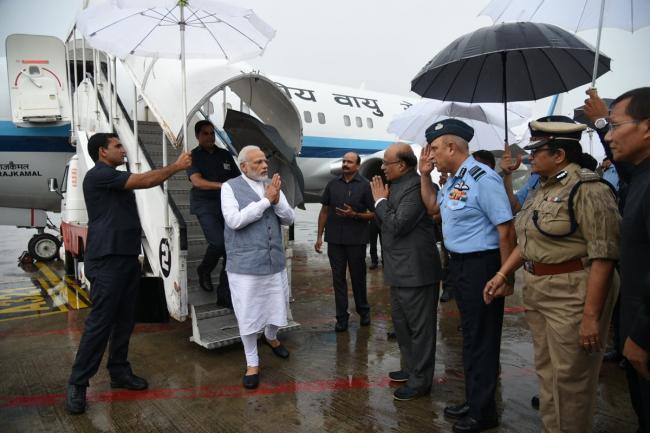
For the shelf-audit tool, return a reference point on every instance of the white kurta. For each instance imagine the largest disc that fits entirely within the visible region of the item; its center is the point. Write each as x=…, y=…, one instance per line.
x=258, y=300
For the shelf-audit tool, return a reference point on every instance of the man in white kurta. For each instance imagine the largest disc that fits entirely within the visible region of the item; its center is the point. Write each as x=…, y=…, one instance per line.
x=253, y=208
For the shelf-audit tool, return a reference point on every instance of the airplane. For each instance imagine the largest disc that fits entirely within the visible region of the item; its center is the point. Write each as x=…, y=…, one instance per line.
x=34, y=148
x=34, y=138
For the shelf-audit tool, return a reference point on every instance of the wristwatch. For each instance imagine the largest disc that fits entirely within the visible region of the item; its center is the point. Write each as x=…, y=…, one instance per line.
x=600, y=123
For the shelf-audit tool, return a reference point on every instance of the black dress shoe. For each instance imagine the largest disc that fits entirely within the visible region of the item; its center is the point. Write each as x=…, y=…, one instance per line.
x=398, y=376
x=205, y=281
x=75, y=399
x=365, y=319
x=341, y=326
x=446, y=296
x=391, y=335
x=252, y=381
x=129, y=381
x=279, y=351
x=468, y=424
x=373, y=266
x=457, y=411
x=534, y=402
x=406, y=393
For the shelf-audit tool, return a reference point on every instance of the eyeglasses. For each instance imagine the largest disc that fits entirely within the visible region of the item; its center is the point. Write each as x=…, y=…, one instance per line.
x=534, y=152
x=386, y=163
x=613, y=126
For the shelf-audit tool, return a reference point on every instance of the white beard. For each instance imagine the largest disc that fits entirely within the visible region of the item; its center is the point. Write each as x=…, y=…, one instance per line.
x=256, y=177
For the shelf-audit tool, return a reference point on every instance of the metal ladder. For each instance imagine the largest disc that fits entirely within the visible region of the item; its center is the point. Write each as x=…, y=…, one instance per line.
x=212, y=326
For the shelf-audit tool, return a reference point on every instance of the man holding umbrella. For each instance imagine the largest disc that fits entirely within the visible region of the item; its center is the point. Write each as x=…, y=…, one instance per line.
x=478, y=232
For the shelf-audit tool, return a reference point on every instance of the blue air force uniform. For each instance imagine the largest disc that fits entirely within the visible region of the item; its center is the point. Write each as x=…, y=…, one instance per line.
x=472, y=203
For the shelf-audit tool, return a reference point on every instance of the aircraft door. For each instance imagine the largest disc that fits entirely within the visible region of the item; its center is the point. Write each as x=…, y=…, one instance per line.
x=38, y=85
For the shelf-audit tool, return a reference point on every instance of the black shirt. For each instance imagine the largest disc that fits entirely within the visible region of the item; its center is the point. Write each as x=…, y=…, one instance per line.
x=356, y=193
x=635, y=256
x=218, y=166
x=113, y=222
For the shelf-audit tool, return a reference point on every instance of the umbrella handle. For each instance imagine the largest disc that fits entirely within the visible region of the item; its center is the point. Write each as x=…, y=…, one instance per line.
x=504, y=57
x=600, y=31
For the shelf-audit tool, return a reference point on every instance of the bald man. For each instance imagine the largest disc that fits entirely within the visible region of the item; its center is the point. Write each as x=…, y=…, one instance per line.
x=411, y=268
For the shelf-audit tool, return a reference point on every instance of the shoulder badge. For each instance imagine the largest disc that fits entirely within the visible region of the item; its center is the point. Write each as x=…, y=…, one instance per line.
x=561, y=175
x=476, y=172
x=587, y=175
x=462, y=172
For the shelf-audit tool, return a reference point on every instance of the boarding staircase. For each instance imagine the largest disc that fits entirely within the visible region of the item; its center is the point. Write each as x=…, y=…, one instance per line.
x=212, y=326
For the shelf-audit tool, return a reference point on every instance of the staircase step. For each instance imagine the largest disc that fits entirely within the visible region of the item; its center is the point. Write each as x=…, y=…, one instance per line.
x=207, y=311
x=223, y=331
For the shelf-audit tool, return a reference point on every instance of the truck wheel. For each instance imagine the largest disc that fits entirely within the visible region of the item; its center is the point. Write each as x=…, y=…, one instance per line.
x=43, y=247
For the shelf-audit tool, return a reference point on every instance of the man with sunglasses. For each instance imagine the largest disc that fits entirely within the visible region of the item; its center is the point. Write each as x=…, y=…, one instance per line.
x=629, y=140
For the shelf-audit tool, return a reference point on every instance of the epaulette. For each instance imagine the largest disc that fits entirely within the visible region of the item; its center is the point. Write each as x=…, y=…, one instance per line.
x=587, y=175
x=476, y=172
x=561, y=175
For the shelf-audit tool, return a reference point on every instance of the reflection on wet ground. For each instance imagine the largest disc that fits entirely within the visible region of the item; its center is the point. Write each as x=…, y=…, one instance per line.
x=332, y=382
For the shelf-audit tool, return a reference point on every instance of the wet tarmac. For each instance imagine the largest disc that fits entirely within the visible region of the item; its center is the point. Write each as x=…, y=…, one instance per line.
x=332, y=382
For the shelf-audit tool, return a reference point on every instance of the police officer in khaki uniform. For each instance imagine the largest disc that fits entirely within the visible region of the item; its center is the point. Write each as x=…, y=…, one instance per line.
x=568, y=243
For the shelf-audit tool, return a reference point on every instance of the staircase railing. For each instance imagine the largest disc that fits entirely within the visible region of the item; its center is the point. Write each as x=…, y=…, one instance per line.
x=164, y=231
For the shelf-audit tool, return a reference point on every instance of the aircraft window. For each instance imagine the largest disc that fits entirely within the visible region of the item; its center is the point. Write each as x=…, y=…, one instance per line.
x=369, y=122
x=307, y=115
x=359, y=121
x=346, y=120
x=321, y=118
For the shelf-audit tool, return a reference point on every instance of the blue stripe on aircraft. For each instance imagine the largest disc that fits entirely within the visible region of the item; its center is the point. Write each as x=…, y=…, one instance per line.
x=34, y=139
x=333, y=147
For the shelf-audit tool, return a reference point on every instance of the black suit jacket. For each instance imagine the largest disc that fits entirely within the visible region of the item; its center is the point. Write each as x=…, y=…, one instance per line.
x=408, y=236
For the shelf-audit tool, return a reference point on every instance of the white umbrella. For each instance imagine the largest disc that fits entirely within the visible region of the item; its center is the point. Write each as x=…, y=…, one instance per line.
x=486, y=119
x=178, y=29
x=629, y=15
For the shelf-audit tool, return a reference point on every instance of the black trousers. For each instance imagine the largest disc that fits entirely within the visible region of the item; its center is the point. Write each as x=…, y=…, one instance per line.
x=212, y=225
x=374, y=234
x=481, y=329
x=640, y=396
x=114, y=284
x=413, y=310
x=353, y=257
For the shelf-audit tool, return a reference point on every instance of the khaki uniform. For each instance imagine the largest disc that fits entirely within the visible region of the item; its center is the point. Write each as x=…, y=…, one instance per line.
x=554, y=303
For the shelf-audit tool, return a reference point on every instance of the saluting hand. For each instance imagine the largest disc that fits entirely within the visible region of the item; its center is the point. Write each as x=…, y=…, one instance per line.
x=425, y=165
x=379, y=190
x=183, y=161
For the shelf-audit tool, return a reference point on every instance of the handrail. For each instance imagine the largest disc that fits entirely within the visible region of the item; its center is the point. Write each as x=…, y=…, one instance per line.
x=182, y=225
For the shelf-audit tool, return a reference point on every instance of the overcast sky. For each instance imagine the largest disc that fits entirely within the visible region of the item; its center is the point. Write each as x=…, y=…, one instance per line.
x=379, y=44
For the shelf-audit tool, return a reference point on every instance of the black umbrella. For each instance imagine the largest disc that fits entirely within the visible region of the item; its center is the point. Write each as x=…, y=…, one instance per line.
x=244, y=129
x=509, y=62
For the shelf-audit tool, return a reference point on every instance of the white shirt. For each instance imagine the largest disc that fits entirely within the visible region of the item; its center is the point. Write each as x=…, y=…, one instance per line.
x=237, y=218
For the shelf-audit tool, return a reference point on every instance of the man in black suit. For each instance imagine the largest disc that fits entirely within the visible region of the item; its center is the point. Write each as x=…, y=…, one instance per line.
x=411, y=268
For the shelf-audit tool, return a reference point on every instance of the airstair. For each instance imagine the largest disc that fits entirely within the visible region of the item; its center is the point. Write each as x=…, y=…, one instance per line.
x=212, y=326
x=173, y=242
